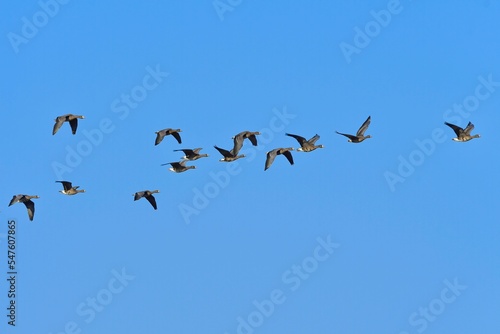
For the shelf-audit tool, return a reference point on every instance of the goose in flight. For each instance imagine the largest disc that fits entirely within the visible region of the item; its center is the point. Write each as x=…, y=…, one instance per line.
x=240, y=137
x=68, y=188
x=147, y=194
x=165, y=132
x=463, y=134
x=228, y=155
x=192, y=154
x=26, y=199
x=360, y=135
x=179, y=167
x=271, y=155
x=306, y=145
x=72, y=119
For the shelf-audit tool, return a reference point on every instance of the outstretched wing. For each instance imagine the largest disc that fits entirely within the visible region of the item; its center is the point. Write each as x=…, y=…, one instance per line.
x=458, y=130
x=224, y=152
x=177, y=136
x=363, y=127
x=66, y=185
x=271, y=155
x=288, y=155
x=30, y=206
x=313, y=140
x=57, y=126
x=253, y=140
x=300, y=139
x=138, y=195
x=176, y=165
x=351, y=137
x=469, y=128
x=186, y=151
x=238, y=143
x=74, y=124
x=152, y=200
x=159, y=137
x=14, y=199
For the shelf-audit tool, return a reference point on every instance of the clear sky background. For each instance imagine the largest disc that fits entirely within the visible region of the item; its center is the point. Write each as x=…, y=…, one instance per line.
x=412, y=216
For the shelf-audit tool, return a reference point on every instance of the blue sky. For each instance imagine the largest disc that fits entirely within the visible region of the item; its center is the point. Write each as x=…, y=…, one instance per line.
x=398, y=234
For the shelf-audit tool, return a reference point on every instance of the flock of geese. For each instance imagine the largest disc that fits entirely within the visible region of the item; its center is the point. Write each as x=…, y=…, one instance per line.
x=462, y=135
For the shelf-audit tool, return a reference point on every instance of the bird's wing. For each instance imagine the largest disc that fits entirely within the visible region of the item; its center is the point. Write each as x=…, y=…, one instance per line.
x=469, y=128
x=186, y=151
x=458, y=130
x=300, y=139
x=288, y=155
x=253, y=140
x=159, y=137
x=363, y=127
x=57, y=126
x=224, y=152
x=74, y=124
x=238, y=143
x=177, y=136
x=152, y=200
x=66, y=185
x=30, y=206
x=138, y=195
x=271, y=155
x=313, y=139
x=14, y=199
x=347, y=135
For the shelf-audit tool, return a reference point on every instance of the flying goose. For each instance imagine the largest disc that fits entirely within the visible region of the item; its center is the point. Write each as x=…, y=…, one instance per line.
x=228, y=155
x=68, y=188
x=240, y=137
x=193, y=154
x=165, y=132
x=271, y=155
x=306, y=145
x=463, y=134
x=179, y=167
x=26, y=199
x=72, y=119
x=147, y=195
x=360, y=135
